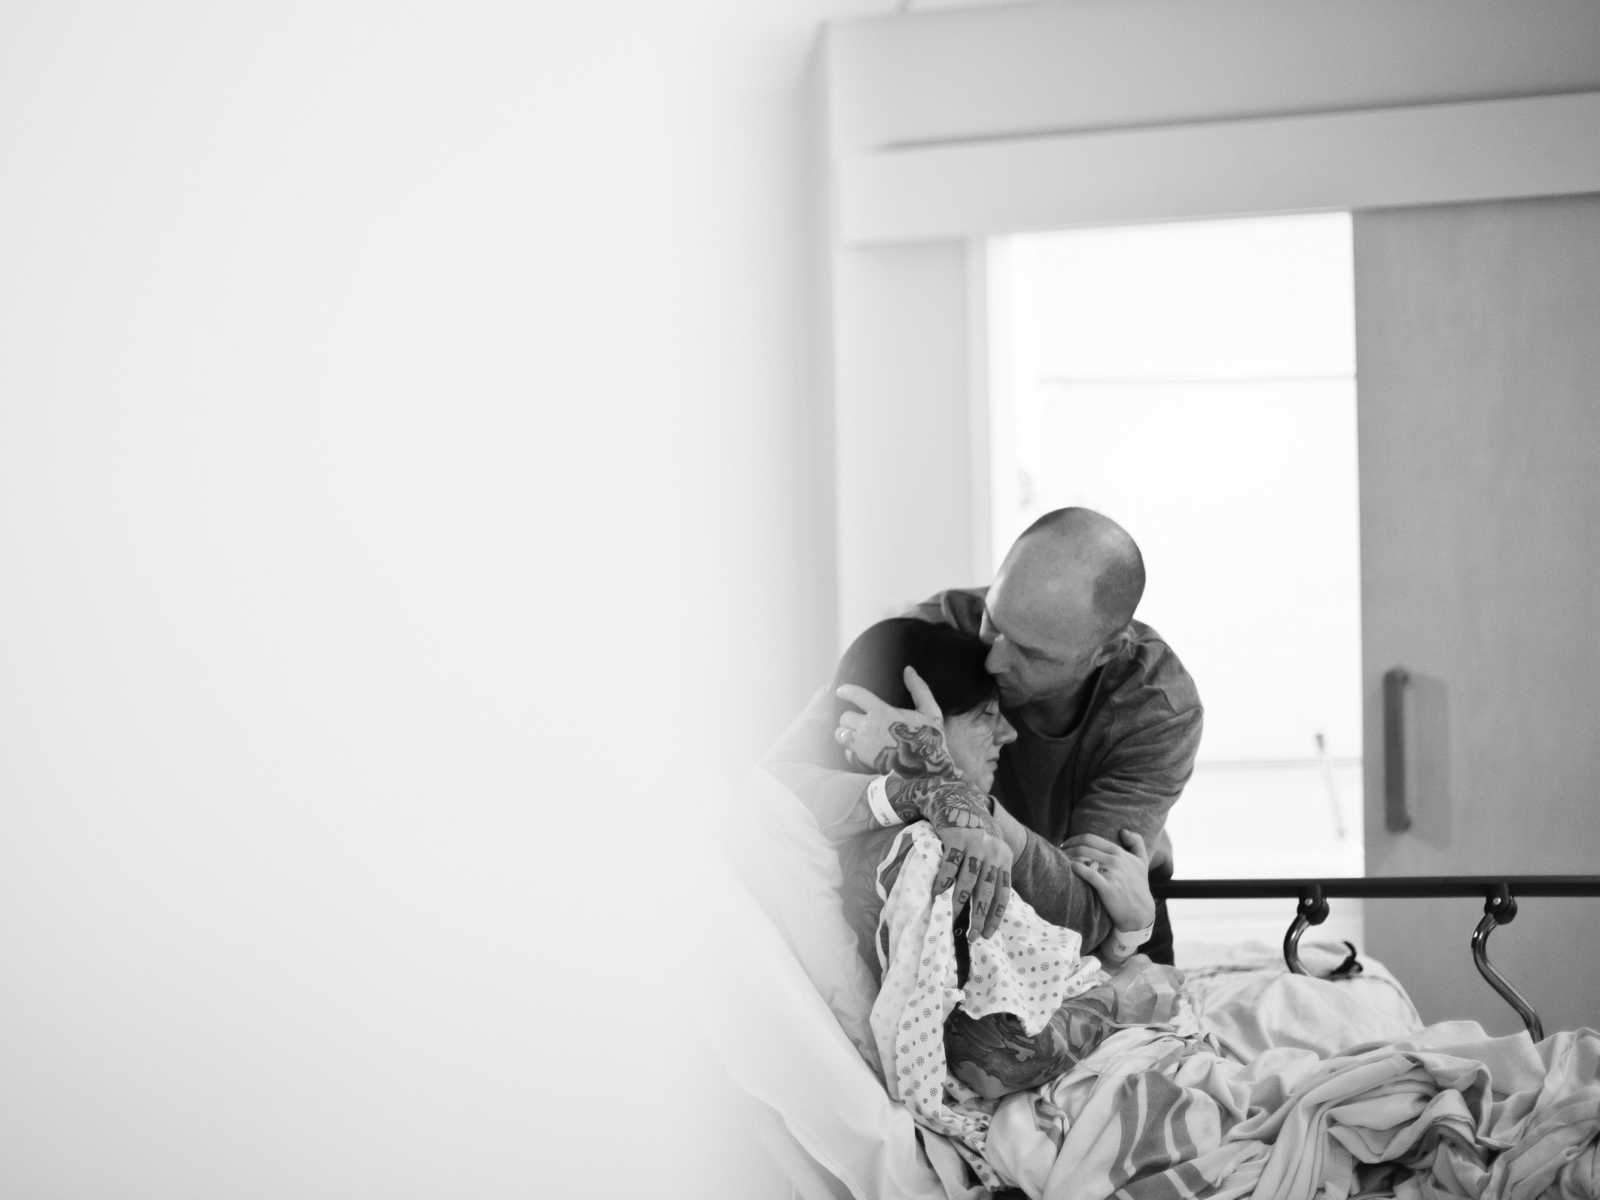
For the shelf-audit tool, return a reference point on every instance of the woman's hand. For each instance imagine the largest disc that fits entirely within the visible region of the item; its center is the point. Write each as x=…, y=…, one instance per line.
x=977, y=860
x=908, y=742
x=1120, y=876
x=908, y=746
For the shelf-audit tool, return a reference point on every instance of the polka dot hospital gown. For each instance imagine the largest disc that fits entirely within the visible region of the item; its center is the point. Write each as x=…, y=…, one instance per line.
x=1028, y=968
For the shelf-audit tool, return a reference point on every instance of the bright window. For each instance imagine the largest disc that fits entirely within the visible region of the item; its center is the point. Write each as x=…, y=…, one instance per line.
x=1197, y=384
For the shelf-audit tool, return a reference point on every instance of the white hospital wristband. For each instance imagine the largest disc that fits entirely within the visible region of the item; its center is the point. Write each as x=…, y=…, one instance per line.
x=1123, y=943
x=878, y=801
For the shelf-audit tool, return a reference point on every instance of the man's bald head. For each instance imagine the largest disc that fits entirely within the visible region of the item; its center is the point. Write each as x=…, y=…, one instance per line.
x=1062, y=598
x=1078, y=545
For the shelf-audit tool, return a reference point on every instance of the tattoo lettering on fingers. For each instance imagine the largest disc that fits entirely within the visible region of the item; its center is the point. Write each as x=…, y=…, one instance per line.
x=961, y=900
x=950, y=869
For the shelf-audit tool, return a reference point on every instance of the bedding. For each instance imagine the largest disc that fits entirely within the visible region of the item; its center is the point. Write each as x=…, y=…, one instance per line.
x=1280, y=1088
x=1447, y=1113
x=1254, y=1004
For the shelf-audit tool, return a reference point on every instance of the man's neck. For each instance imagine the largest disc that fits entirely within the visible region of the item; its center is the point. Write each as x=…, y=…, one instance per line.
x=1055, y=716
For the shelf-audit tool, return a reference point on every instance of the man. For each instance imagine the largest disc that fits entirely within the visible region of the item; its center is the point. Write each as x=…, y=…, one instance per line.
x=1108, y=724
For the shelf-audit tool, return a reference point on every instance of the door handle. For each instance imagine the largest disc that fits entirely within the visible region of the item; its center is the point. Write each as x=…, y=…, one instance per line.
x=1396, y=682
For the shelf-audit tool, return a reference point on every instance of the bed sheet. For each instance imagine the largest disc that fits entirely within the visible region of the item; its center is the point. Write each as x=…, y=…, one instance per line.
x=1246, y=999
x=1447, y=1114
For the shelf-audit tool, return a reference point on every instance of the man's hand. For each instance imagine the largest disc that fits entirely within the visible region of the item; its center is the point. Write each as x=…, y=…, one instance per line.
x=1120, y=876
x=908, y=742
x=977, y=860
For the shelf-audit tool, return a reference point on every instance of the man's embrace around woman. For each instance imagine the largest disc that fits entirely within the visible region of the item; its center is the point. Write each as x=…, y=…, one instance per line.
x=1092, y=724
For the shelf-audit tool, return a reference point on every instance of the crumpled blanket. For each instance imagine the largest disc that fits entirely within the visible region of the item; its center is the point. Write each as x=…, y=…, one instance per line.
x=1448, y=1113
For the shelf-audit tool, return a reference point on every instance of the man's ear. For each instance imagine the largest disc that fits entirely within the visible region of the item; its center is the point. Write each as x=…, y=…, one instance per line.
x=1111, y=647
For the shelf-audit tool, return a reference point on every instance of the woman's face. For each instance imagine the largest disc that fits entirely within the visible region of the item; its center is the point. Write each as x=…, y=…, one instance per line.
x=975, y=738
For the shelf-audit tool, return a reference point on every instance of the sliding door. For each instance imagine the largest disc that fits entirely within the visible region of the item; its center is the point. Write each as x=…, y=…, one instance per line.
x=1478, y=367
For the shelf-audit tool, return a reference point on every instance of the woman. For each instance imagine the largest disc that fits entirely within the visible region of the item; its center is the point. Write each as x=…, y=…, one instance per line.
x=951, y=664
x=992, y=1054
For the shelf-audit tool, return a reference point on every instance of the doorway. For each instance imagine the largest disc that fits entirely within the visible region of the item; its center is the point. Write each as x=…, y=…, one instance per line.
x=1196, y=382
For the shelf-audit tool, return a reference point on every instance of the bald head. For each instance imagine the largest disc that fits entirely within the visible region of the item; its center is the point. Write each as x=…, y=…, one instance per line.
x=1072, y=549
x=1061, y=600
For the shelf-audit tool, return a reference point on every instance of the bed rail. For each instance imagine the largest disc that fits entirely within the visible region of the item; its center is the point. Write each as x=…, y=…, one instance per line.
x=1499, y=894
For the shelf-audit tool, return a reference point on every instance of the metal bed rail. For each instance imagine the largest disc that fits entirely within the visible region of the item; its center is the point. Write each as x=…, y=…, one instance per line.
x=1499, y=893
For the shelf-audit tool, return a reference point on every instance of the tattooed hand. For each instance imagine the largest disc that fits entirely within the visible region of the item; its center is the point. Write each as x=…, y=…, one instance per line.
x=908, y=742
x=977, y=860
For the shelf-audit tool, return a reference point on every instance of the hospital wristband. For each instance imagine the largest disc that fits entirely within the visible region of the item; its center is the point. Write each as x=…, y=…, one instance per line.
x=878, y=801
x=1124, y=943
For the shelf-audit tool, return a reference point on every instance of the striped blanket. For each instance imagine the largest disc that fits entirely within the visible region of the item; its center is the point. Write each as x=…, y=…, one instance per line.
x=1450, y=1113
x=1166, y=1112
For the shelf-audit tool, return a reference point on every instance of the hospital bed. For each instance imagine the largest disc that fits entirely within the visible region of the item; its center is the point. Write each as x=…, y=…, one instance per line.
x=794, y=1037
x=1499, y=894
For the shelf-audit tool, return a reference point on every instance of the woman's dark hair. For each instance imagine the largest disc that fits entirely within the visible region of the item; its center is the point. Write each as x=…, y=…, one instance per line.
x=949, y=661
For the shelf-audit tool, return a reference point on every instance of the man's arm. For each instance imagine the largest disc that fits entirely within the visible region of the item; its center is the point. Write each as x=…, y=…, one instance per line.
x=1141, y=780
x=1137, y=786
x=1041, y=873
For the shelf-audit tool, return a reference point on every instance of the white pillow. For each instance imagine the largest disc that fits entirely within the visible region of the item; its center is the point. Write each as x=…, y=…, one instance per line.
x=787, y=949
x=793, y=872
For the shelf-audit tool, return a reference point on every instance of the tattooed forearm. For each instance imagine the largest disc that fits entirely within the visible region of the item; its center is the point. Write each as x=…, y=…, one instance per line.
x=903, y=797
x=917, y=750
x=945, y=803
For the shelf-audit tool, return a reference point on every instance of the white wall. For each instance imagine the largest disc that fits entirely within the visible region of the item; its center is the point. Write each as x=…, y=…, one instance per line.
x=906, y=514
x=397, y=405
